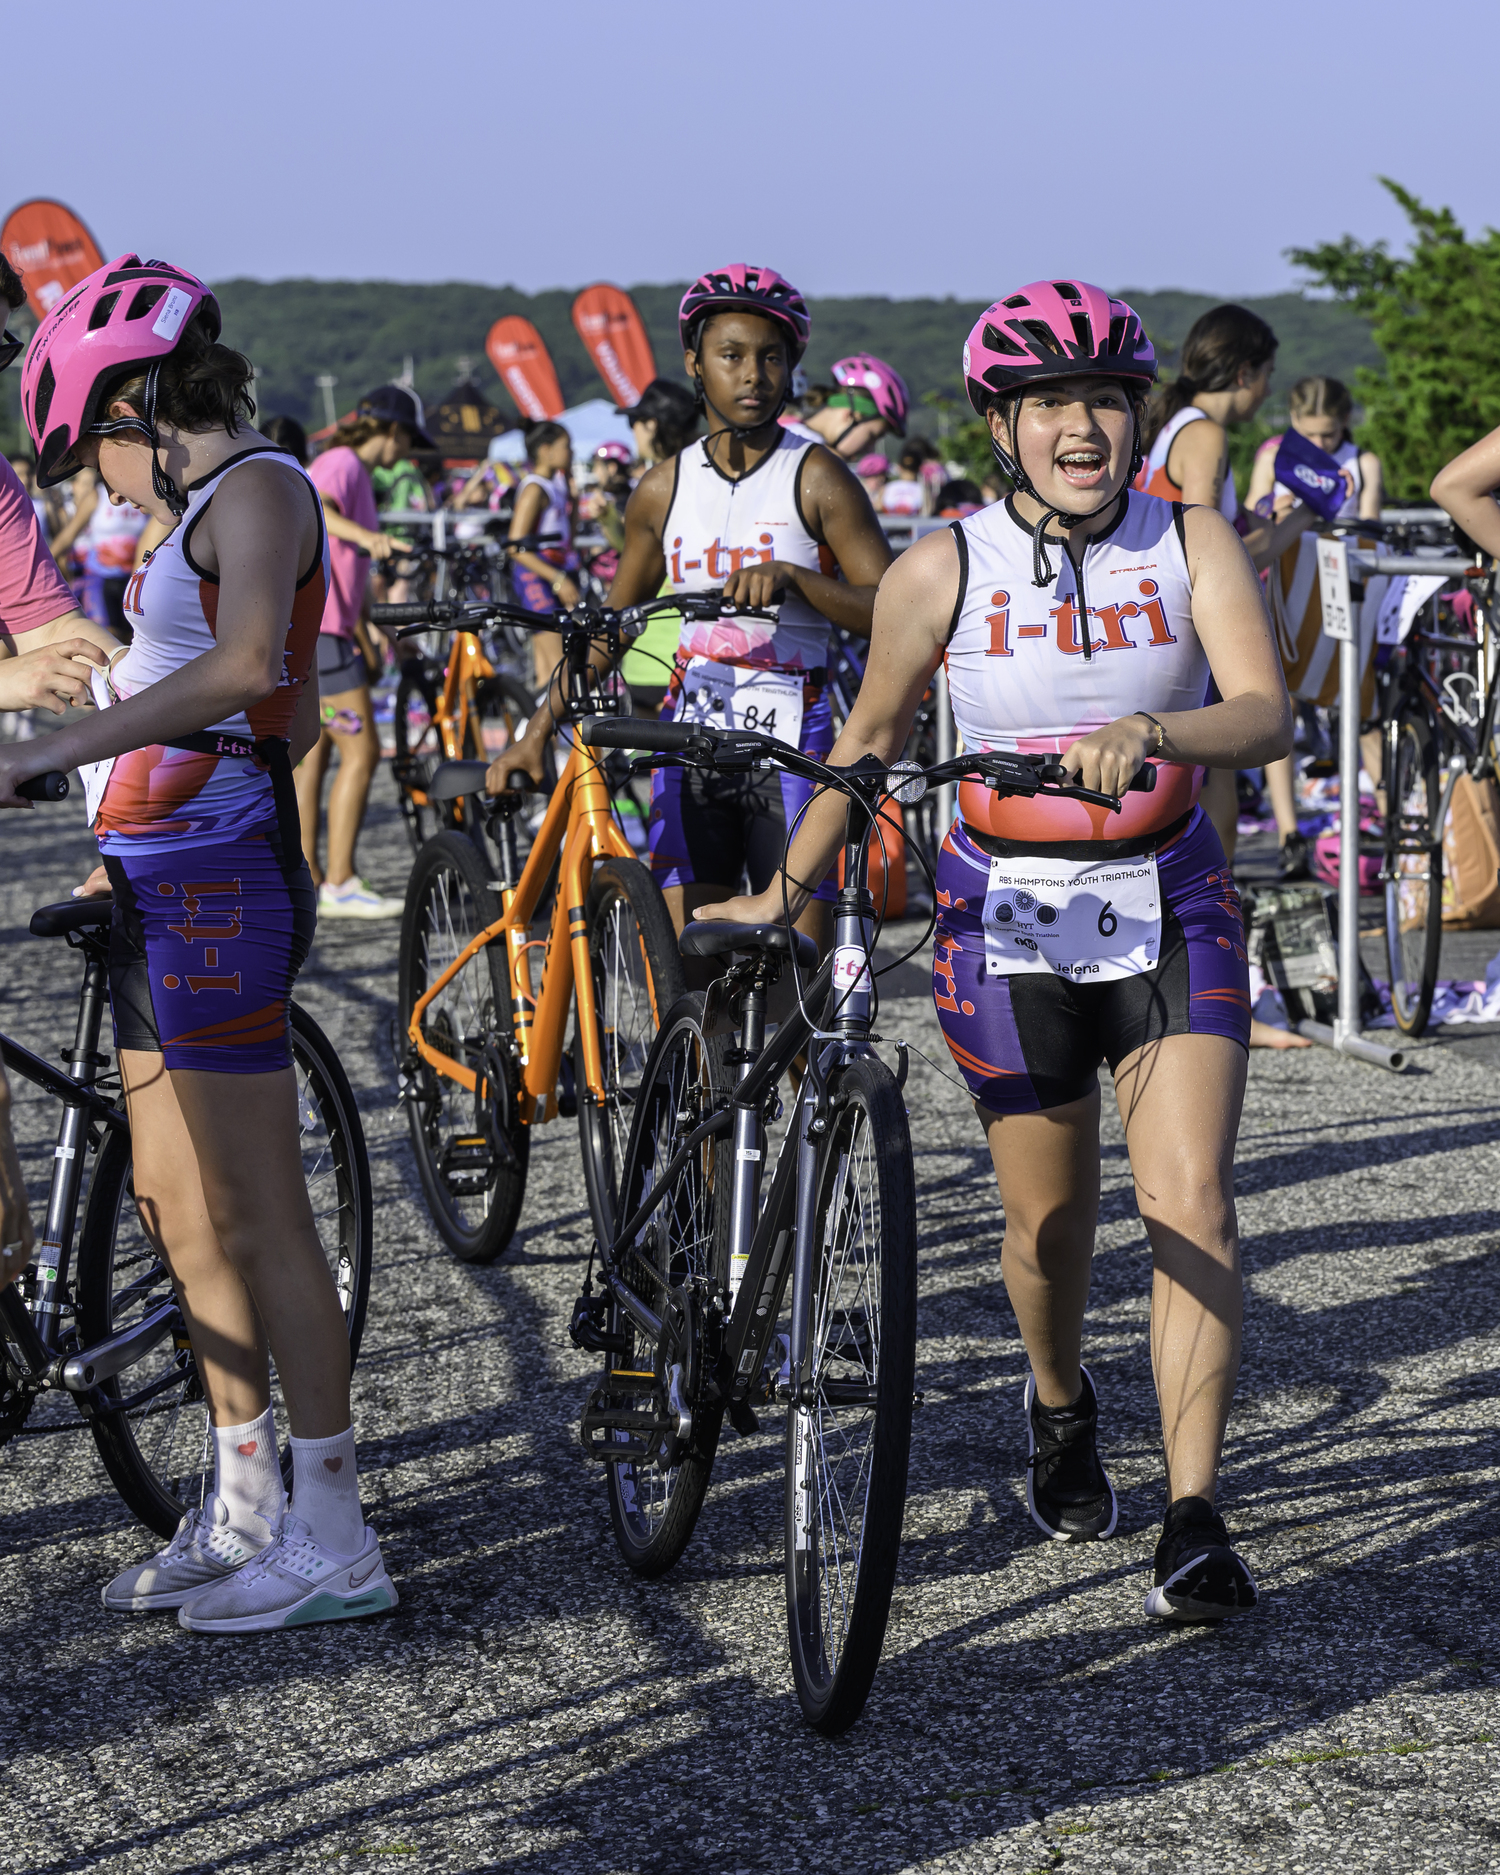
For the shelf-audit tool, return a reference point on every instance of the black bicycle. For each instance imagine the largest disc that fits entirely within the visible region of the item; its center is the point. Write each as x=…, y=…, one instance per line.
x=695, y=1279
x=95, y=1315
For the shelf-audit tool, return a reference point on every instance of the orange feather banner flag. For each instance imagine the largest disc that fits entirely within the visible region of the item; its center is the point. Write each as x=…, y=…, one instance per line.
x=612, y=333
x=50, y=246
x=516, y=350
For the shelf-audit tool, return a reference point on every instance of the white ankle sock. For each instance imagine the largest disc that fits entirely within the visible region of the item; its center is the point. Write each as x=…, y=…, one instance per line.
x=325, y=1492
x=247, y=1475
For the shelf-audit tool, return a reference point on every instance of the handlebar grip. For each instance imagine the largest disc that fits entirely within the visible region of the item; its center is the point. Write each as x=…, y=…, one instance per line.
x=428, y=614
x=1143, y=781
x=634, y=732
x=53, y=786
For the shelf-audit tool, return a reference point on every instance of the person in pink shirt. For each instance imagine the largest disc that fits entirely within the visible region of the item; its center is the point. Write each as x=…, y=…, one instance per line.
x=387, y=425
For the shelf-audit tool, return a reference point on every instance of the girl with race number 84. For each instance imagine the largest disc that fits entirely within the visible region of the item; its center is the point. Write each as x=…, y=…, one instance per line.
x=188, y=771
x=1084, y=617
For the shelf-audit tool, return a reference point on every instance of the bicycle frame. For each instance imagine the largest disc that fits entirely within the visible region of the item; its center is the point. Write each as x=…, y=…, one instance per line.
x=466, y=668
x=578, y=828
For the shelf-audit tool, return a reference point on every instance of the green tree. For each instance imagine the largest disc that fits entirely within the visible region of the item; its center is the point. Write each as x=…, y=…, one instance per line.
x=1435, y=316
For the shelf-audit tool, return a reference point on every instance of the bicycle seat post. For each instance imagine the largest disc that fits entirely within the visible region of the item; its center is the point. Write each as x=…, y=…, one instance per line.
x=749, y=1133
x=854, y=909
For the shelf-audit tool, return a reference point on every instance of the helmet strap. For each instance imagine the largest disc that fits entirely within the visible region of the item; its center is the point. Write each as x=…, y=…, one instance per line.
x=162, y=485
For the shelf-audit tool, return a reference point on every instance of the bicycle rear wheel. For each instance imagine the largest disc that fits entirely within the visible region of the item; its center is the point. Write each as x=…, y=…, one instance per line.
x=471, y=1148
x=654, y=1502
x=1413, y=868
x=156, y=1447
x=848, y=1430
x=637, y=977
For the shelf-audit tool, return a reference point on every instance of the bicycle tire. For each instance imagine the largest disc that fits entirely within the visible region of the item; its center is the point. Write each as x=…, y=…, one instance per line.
x=412, y=763
x=653, y=1509
x=1413, y=869
x=846, y=1458
x=158, y=1457
x=468, y=1147
x=638, y=976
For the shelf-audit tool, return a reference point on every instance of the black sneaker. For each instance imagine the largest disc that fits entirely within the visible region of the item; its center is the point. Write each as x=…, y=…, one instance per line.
x=1293, y=860
x=1198, y=1575
x=1067, y=1491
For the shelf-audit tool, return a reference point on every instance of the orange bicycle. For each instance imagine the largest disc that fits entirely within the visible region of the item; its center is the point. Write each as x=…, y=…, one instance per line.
x=482, y=1030
x=469, y=707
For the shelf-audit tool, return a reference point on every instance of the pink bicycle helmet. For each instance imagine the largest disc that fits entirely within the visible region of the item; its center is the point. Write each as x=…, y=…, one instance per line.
x=862, y=372
x=1055, y=329
x=748, y=289
x=613, y=452
x=123, y=319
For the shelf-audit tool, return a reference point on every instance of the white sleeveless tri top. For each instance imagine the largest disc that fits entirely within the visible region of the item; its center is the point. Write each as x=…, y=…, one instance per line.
x=556, y=516
x=715, y=525
x=1154, y=480
x=160, y=797
x=1018, y=678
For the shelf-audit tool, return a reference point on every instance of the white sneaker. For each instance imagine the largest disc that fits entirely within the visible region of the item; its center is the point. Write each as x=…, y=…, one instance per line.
x=204, y=1550
x=356, y=899
x=291, y=1582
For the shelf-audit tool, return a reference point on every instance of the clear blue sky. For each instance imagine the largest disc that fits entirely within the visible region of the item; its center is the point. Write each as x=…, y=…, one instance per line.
x=895, y=146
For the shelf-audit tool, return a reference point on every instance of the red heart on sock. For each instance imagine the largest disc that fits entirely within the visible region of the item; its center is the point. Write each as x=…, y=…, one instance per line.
x=334, y=1464
x=248, y=1451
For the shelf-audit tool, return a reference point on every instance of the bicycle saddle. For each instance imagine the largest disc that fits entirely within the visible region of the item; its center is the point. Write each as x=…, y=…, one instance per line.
x=719, y=938
x=452, y=779
x=73, y=914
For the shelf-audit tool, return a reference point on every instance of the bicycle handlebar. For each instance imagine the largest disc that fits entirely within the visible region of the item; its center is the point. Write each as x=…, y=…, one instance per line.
x=53, y=786
x=1003, y=770
x=596, y=621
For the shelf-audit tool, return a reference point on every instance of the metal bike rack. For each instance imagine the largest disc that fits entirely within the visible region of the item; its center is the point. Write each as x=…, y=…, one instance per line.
x=1341, y=621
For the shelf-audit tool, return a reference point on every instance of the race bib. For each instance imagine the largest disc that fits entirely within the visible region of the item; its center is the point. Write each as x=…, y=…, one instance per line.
x=1089, y=920
x=95, y=775
x=735, y=696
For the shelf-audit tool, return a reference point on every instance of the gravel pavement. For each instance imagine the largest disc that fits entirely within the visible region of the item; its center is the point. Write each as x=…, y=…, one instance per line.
x=531, y=1706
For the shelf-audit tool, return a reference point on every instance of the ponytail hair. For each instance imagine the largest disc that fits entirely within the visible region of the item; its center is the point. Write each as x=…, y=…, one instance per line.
x=200, y=386
x=1224, y=342
x=1321, y=397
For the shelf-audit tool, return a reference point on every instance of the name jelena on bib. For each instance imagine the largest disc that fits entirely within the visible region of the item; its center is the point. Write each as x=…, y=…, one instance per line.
x=1088, y=920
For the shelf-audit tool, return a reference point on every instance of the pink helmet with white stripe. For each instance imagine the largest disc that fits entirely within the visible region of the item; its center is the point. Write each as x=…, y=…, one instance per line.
x=1055, y=329
x=122, y=320
x=742, y=288
x=862, y=372
x=613, y=452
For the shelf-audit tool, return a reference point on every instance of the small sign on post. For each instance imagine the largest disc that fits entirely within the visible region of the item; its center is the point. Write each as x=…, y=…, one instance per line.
x=1333, y=585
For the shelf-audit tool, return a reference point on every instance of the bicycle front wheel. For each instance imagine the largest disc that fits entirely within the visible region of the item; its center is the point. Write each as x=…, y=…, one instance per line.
x=1413, y=868
x=154, y=1439
x=654, y=1498
x=637, y=977
x=471, y=1148
x=848, y=1429
x=417, y=745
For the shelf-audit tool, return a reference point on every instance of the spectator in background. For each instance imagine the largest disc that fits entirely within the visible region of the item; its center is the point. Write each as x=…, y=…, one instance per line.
x=906, y=492
x=663, y=423
x=288, y=434
x=1321, y=410
x=957, y=498
x=873, y=472
x=603, y=506
x=384, y=429
x=25, y=470
x=543, y=575
x=102, y=537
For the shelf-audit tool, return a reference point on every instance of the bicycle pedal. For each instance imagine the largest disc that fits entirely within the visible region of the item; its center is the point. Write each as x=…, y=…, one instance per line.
x=742, y=1418
x=466, y=1165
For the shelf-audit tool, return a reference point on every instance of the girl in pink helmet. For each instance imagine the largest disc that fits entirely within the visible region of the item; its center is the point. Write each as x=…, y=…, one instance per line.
x=870, y=402
x=1082, y=617
x=188, y=767
x=758, y=513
